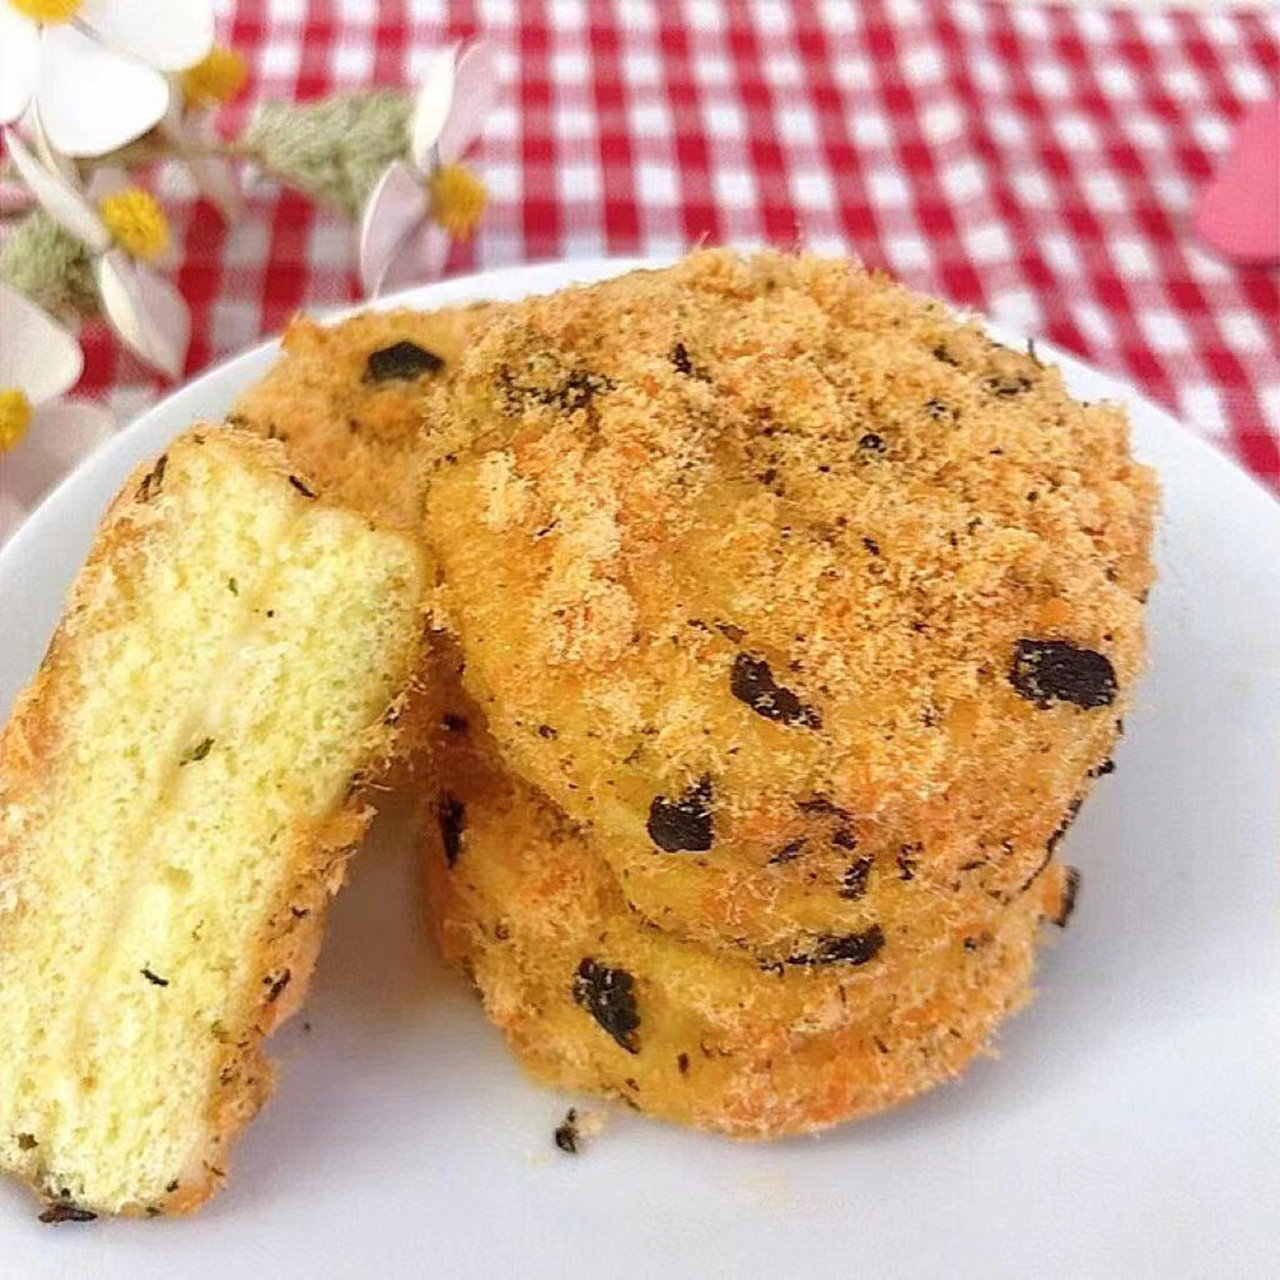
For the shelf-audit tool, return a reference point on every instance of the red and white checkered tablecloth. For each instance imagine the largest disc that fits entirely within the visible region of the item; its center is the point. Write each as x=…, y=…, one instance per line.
x=1034, y=163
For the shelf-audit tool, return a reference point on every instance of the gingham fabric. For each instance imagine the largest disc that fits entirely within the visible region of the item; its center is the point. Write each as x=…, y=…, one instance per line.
x=1033, y=163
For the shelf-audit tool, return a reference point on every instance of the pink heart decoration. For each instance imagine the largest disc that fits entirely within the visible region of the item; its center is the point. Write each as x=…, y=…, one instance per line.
x=1238, y=214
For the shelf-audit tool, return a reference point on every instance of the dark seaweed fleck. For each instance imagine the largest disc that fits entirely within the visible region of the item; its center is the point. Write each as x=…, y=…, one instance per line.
x=546, y=731
x=1052, y=843
x=941, y=353
x=855, y=879
x=454, y=723
x=682, y=1063
x=194, y=754
x=751, y=681
x=872, y=443
x=1008, y=386
x=609, y=996
x=680, y=358
x=735, y=635
x=233, y=586
x=154, y=978
x=685, y=824
x=302, y=487
x=451, y=816
x=402, y=361
x=1069, y=893
x=789, y=851
x=153, y=480
x=1101, y=771
x=845, y=838
x=872, y=546
x=1065, y=825
x=939, y=409
x=57, y=1211
x=820, y=804
x=27, y=1142
x=853, y=948
x=278, y=986
x=568, y=1139
x=172, y=1186
x=1049, y=671
x=907, y=861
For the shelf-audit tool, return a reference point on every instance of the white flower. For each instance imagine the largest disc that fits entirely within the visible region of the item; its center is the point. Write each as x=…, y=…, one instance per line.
x=95, y=67
x=195, y=97
x=41, y=436
x=126, y=230
x=418, y=206
x=191, y=130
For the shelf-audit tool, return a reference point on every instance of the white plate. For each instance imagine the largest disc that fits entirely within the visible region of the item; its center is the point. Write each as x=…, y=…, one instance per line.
x=1131, y=1127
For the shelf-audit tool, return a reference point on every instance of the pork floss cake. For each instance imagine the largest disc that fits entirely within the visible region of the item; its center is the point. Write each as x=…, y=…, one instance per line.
x=812, y=612
x=180, y=786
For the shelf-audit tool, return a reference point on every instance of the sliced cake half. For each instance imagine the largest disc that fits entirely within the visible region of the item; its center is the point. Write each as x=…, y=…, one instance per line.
x=180, y=786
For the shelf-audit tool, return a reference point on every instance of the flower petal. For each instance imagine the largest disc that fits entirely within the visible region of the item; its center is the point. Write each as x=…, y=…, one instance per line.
x=167, y=36
x=93, y=100
x=397, y=206
x=59, y=437
x=422, y=258
x=59, y=198
x=431, y=107
x=218, y=180
x=37, y=355
x=475, y=89
x=45, y=153
x=146, y=311
x=12, y=512
x=215, y=177
x=19, y=51
x=106, y=180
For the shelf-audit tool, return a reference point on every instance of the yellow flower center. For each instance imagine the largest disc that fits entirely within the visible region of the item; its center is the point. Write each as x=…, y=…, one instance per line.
x=50, y=11
x=15, y=417
x=458, y=199
x=216, y=78
x=136, y=222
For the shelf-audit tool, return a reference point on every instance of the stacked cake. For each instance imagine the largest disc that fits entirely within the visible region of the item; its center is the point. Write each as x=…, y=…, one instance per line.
x=789, y=620
x=779, y=623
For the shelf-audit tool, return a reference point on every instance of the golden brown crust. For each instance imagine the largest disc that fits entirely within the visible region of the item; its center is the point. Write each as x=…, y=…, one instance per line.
x=760, y=567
